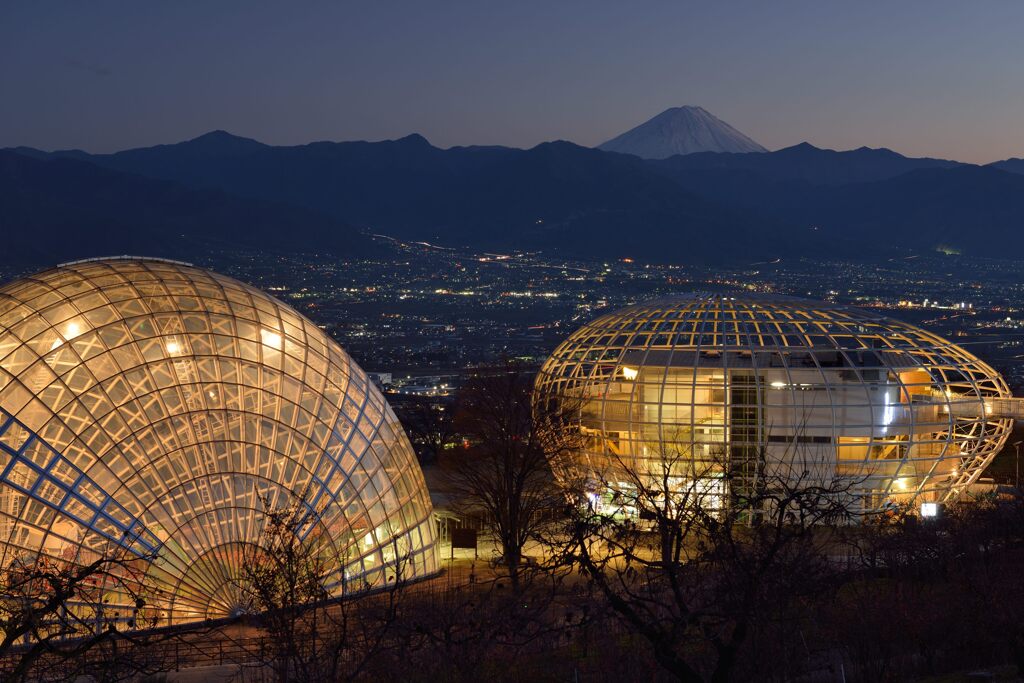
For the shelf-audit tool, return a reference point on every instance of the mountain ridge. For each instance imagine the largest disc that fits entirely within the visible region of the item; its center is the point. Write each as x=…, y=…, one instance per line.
x=58, y=209
x=800, y=200
x=804, y=161
x=556, y=195
x=1011, y=165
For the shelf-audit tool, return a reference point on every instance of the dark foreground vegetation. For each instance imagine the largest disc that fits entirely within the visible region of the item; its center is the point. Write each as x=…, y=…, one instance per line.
x=805, y=593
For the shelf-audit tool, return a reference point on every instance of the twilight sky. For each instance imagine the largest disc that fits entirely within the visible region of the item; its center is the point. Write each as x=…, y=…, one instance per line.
x=939, y=78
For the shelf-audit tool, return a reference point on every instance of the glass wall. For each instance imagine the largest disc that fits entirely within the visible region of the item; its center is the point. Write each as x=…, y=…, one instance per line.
x=755, y=388
x=157, y=410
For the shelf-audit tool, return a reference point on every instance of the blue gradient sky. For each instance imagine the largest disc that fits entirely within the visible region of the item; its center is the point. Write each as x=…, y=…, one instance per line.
x=924, y=78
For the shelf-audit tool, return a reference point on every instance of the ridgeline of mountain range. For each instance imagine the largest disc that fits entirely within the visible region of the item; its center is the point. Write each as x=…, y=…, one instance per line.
x=219, y=190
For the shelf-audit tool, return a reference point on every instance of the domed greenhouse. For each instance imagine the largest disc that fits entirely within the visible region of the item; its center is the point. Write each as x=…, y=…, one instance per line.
x=159, y=410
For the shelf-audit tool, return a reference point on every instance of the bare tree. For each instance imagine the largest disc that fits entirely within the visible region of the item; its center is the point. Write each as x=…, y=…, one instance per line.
x=429, y=423
x=505, y=478
x=477, y=631
x=318, y=626
x=53, y=612
x=694, y=556
x=970, y=555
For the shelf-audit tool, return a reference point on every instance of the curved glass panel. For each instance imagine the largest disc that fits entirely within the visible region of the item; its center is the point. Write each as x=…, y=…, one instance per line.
x=156, y=408
x=737, y=388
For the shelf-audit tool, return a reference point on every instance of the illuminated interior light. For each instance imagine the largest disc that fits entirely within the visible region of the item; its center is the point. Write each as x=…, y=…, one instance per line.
x=731, y=375
x=121, y=509
x=271, y=338
x=71, y=331
x=888, y=413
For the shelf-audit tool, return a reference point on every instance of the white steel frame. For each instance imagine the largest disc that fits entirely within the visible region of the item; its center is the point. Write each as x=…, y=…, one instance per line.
x=804, y=386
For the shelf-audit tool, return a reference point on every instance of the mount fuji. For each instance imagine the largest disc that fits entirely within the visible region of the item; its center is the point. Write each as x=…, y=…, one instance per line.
x=681, y=130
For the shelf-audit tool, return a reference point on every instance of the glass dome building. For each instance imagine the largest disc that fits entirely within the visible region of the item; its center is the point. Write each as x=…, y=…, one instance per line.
x=730, y=389
x=158, y=410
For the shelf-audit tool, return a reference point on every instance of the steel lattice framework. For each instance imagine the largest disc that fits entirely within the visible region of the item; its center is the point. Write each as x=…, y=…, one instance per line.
x=156, y=409
x=743, y=386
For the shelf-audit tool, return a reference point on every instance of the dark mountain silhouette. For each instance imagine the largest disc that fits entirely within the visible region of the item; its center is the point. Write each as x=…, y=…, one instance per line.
x=788, y=183
x=805, y=162
x=1014, y=165
x=59, y=154
x=367, y=183
x=681, y=130
x=556, y=195
x=874, y=198
x=217, y=143
x=977, y=209
x=59, y=209
x=706, y=206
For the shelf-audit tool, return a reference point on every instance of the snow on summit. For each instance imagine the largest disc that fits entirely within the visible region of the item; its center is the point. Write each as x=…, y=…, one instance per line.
x=681, y=130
